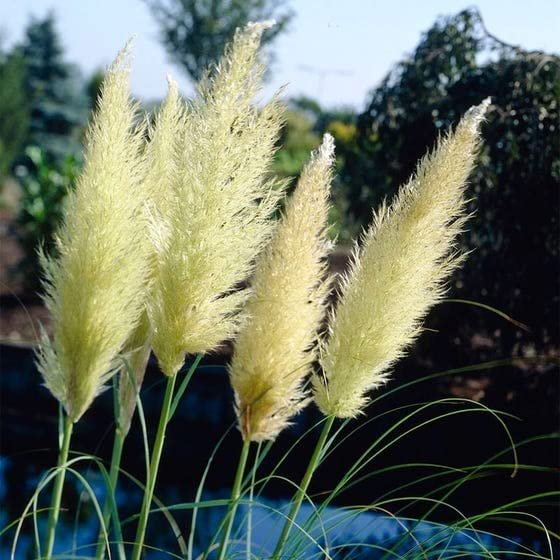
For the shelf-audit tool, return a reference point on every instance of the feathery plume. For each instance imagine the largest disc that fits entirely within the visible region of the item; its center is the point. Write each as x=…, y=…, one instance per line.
x=161, y=163
x=399, y=272
x=276, y=346
x=162, y=153
x=95, y=288
x=207, y=242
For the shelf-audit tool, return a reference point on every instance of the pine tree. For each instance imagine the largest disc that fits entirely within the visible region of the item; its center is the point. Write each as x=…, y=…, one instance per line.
x=194, y=32
x=14, y=115
x=58, y=107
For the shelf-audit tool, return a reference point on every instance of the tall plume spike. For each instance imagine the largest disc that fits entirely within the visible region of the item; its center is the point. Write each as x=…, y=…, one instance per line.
x=398, y=273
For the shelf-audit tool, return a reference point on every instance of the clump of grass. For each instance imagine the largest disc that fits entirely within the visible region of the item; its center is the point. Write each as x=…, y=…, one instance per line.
x=396, y=275
x=157, y=247
x=277, y=344
x=161, y=162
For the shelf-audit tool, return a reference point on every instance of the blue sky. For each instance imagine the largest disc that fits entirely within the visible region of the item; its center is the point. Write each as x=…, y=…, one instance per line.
x=336, y=50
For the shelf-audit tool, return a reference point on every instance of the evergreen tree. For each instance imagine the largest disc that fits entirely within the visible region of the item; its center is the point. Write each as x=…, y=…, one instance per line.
x=58, y=107
x=194, y=32
x=14, y=110
x=93, y=87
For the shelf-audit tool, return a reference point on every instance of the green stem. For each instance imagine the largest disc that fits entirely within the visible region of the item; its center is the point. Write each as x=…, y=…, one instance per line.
x=116, y=455
x=184, y=384
x=234, y=501
x=58, y=485
x=303, y=487
x=248, y=554
x=154, y=466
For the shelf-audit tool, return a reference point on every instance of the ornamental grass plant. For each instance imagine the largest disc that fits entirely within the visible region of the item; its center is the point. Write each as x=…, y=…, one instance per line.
x=174, y=242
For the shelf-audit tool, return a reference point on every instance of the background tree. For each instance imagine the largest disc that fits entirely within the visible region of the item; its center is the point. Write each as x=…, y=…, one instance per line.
x=14, y=110
x=58, y=105
x=93, y=87
x=515, y=232
x=46, y=106
x=194, y=32
x=297, y=139
x=306, y=123
x=44, y=187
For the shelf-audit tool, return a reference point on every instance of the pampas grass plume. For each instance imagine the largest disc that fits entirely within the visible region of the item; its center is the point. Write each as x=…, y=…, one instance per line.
x=276, y=346
x=94, y=288
x=162, y=151
x=400, y=271
x=219, y=221
x=161, y=167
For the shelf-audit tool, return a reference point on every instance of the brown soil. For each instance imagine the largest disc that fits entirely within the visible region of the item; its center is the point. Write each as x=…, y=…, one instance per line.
x=20, y=312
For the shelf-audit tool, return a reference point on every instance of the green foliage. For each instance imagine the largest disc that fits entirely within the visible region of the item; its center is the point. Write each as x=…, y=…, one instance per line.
x=58, y=107
x=516, y=185
x=322, y=117
x=297, y=140
x=14, y=111
x=306, y=122
x=194, y=32
x=93, y=87
x=44, y=186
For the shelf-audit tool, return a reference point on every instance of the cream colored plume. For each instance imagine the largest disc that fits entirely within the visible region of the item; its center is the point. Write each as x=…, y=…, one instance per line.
x=95, y=288
x=162, y=152
x=399, y=272
x=276, y=346
x=161, y=168
x=222, y=200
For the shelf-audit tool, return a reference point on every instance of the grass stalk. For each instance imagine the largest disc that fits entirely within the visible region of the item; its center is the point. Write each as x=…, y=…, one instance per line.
x=154, y=466
x=253, y=475
x=303, y=487
x=234, y=501
x=116, y=455
x=58, y=486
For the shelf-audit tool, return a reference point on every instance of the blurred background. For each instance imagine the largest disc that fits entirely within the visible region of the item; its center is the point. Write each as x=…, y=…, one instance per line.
x=385, y=79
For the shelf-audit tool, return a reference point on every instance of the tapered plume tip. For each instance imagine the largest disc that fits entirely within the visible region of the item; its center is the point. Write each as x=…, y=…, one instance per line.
x=122, y=60
x=258, y=27
x=171, y=83
x=477, y=113
x=326, y=149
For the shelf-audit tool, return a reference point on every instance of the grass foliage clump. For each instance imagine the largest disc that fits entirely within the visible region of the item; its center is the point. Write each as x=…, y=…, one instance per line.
x=170, y=242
